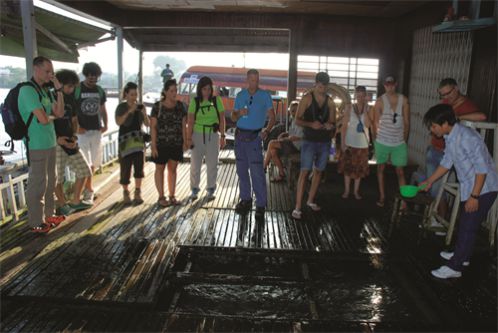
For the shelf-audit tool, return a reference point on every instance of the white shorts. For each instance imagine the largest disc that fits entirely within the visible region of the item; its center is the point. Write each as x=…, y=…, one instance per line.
x=77, y=164
x=90, y=145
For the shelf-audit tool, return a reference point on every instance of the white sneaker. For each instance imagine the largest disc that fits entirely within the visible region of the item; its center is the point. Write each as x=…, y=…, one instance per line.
x=448, y=255
x=88, y=196
x=444, y=272
x=436, y=224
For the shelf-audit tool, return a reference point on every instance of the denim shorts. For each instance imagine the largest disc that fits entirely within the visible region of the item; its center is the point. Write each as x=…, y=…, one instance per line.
x=316, y=153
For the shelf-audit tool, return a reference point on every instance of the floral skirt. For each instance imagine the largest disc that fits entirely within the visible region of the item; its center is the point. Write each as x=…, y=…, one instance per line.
x=354, y=163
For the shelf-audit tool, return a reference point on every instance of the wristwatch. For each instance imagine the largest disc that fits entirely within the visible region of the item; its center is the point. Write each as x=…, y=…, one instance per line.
x=474, y=196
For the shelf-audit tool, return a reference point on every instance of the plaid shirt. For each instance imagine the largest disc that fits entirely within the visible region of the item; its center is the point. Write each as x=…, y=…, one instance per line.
x=466, y=150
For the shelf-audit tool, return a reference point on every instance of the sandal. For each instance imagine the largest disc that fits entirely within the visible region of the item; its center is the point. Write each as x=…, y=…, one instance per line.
x=162, y=202
x=357, y=196
x=173, y=201
x=314, y=207
x=380, y=203
x=297, y=214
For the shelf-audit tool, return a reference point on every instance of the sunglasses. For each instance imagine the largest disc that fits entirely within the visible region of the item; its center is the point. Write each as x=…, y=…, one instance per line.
x=394, y=118
x=250, y=100
x=446, y=94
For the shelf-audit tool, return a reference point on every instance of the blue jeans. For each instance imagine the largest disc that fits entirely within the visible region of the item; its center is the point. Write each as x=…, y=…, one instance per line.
x=433, y=159
x=249, y=157
x=314, y=153
x=468, y=228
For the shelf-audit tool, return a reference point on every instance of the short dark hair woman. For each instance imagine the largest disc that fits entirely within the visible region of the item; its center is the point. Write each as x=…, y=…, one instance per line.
x=130, y=116
x=168, y=121
x=206, y=135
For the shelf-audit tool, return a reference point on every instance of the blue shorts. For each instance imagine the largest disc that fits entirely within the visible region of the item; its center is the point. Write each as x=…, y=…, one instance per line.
x=316, y=153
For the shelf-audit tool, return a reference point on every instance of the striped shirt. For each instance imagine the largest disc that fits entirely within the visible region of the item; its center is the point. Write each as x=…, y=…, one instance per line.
x=466, y=150
x=391, y=125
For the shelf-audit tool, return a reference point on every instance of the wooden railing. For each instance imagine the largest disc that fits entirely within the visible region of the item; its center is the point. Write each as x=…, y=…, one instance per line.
x=12, y=190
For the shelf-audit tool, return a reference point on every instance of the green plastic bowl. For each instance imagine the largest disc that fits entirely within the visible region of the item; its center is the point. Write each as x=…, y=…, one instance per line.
x=410, y=191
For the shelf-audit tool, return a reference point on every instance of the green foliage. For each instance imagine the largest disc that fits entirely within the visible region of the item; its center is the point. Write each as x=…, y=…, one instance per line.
x=14, y=76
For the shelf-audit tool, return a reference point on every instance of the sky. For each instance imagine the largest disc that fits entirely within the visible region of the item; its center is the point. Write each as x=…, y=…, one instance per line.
x=130, y=55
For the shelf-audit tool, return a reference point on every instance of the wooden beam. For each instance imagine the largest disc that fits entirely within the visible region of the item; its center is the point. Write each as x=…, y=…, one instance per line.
x=53, y=38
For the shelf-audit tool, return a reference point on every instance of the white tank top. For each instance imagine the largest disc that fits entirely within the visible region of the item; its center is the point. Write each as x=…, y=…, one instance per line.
x=390, y=132
x=354, y=138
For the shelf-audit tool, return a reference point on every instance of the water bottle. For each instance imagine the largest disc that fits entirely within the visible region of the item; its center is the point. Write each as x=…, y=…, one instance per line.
x=332, y=151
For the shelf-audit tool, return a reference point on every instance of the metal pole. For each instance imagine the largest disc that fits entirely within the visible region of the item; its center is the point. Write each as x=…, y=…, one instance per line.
x=29, y=34
x=292, y=73
x=119, y=35
x=140, y=75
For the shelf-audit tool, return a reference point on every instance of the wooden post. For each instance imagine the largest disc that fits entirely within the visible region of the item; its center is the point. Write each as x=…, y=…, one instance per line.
x=140, y=76
x=29, y=35
x=292, y=73
x=119, y=35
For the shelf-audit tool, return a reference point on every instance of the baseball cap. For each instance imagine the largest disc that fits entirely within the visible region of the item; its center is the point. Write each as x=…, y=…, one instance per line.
x=390, y=79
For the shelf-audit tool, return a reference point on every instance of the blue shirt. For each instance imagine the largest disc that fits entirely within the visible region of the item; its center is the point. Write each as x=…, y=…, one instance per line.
x=257, y=106
x=466, y=150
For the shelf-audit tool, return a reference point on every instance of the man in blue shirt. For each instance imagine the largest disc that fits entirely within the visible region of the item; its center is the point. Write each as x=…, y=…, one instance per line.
x=476, y=172
x=252, y=106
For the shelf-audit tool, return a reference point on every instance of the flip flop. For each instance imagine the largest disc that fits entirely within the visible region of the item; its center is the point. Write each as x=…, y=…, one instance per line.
x=380, y=203
x=297, y=214
x=278, y=179
x=314, y=207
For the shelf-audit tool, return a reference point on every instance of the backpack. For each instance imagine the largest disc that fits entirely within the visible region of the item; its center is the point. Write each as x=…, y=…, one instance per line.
x=213, y=100
x=12, y=120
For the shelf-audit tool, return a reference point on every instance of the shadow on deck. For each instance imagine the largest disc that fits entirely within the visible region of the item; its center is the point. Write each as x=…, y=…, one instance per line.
x=200, y=267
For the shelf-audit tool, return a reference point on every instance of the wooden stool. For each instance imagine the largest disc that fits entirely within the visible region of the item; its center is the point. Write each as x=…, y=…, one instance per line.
x=421, y=199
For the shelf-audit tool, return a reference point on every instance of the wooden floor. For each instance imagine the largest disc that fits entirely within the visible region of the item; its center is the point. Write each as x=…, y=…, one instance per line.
x=107, y=269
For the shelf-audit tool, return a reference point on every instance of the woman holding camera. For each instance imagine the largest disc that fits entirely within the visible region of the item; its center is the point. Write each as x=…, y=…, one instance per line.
x=205, y=135
x=354, y=143
x=130, y=116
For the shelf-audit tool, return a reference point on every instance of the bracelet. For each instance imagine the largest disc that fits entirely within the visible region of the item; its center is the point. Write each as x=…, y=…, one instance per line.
x=222, y=136
x=474, y=196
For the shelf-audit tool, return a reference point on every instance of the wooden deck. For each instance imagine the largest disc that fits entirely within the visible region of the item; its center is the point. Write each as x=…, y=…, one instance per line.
x=139, y=268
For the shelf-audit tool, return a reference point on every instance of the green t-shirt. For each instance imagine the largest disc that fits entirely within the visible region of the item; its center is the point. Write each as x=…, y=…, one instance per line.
x=40, y=136
x=206, y=116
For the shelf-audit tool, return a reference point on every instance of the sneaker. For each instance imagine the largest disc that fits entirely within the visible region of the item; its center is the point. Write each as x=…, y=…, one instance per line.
x=41, y=229
x=82, y=205
x=448, y=255
x=88, y=195
x=210, y=194
x=67, y=210
x=55, y=220
x=243, y=207
x=444, y=272
x=137, y=197
x=126, y=197
x=260, y=213
x=195, y=194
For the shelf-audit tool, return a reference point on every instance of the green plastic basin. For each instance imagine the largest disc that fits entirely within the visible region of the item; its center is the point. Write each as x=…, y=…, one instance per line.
x=409, y=191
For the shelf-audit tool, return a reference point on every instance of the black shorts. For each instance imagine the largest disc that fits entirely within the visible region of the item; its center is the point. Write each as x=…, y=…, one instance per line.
x=168, y=153
x=288, y=148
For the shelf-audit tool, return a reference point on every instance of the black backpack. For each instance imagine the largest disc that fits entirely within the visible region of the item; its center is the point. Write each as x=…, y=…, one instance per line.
x=11, y=117
x=213, y=100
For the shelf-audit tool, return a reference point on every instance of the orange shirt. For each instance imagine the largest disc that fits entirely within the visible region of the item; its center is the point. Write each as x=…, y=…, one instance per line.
x=466, y=107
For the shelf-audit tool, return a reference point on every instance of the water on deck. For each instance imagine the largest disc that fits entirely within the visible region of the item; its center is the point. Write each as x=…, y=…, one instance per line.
x=201, y=267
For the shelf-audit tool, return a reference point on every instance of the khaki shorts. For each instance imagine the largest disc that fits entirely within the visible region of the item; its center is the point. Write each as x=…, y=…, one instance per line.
x=76, y=163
